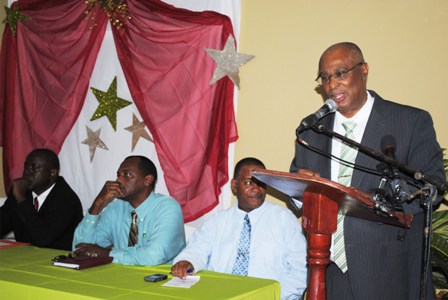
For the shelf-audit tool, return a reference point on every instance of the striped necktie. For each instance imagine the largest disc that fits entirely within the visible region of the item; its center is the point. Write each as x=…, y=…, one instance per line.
x=344, y=177
x=241, y=266
x=133, y=231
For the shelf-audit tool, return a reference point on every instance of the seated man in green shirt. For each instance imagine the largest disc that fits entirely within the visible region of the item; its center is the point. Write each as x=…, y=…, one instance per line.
x=130, y=222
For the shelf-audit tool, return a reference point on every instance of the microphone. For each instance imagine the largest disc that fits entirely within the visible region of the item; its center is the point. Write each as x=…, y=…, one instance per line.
x=388, y=145
x=398, y=185
x=330, y=106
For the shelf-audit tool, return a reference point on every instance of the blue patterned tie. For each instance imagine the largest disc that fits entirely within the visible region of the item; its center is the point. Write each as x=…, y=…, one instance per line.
x=241, y=265
x=344, y=177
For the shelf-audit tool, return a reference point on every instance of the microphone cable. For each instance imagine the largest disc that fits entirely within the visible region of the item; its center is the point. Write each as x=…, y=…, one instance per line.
x=331, y=156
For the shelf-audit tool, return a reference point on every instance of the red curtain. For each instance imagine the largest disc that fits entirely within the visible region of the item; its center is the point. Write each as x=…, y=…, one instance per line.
x=45, y=76
x=45, y=72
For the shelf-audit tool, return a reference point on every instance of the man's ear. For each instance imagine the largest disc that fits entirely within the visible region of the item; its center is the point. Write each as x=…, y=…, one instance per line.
x=233, y=186
x=365, y=71
x=53, y=174
x=149, y=179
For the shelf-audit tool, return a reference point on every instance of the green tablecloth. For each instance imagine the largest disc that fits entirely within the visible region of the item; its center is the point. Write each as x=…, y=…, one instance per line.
x=27, y=272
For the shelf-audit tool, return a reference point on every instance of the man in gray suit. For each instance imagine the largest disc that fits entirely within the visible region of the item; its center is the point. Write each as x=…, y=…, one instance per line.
x=382, y=261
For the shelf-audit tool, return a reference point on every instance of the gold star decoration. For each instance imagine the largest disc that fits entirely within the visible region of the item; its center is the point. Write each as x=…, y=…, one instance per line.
x=138, y=131
x=228, y=62
x=116, y=11
x=109, y=103
x=12, y=17
x=94, y=141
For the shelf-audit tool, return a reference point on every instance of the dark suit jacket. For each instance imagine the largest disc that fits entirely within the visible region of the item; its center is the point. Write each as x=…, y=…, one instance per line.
x=380, y=265
x=52, y=227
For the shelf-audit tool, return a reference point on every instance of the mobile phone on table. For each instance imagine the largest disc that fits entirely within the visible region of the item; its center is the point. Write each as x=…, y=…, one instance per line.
x=155, y=277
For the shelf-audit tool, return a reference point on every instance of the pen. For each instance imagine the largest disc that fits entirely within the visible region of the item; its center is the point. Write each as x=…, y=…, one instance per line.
x=189, y=272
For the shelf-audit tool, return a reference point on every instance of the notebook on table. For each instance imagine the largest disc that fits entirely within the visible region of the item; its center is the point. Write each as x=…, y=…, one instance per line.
x=80, y=263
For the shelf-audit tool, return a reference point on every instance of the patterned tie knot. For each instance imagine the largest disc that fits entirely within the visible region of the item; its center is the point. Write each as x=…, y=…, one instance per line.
x=349, y=127
x=247, y=220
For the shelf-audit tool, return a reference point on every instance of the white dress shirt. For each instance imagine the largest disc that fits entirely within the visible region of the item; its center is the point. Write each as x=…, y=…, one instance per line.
x=277, y=248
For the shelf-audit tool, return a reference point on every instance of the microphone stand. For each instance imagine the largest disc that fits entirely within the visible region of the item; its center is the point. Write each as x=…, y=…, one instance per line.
x=428, y=193
x=417, y=175
x=427, y=200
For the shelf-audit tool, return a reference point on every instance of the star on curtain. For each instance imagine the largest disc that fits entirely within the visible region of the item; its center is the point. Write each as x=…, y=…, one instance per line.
x=116, y=11
x=109, y=103
x=13, y=16
x=228, y=62
x=94, y=141
x=138, y=131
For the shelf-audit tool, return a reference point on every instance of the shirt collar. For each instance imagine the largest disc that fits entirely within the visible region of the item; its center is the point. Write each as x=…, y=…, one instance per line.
x=43, y=195
x=360, y=118
x=143, y=208
x=253, y=213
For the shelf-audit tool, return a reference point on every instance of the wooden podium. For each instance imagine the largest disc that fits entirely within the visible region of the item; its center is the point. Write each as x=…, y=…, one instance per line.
x=322, y=200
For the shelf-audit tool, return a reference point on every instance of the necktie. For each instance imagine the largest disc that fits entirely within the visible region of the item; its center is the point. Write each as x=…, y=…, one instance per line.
x=133, y=231
x=344, y=177
x=241, y=265
x=36, y=203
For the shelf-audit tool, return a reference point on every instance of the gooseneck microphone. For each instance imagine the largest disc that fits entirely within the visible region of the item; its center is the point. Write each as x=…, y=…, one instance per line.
x=391, y=190
x=329, y=107
x=388, y=145
x=400, y=190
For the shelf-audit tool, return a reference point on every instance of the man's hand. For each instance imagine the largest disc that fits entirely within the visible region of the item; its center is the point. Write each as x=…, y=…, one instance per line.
x=19, y=188
x=181, y=268
x=109, y=192
x=307, y=173
x=91, y=250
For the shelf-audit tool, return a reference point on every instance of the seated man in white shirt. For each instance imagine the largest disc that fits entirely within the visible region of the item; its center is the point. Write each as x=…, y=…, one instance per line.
x=275, y=247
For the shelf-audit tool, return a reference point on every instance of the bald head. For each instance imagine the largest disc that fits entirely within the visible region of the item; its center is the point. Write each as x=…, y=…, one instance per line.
x=352, y=50
x=343, y=74
x=48, y=156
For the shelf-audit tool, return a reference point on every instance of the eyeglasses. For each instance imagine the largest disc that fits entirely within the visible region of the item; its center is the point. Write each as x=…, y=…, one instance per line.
x=339, y=75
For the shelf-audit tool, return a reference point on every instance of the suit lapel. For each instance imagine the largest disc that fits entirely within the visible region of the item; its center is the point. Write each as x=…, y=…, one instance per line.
x=51, y=196
x=324, y=143
x=375, y=130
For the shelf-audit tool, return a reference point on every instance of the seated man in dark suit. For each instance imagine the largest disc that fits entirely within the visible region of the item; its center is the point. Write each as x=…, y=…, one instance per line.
x=41, y=208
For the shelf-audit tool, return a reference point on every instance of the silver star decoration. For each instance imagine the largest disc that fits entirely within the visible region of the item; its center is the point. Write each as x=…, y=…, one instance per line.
x=94, y=141
x=138, y=131
x=228, y=62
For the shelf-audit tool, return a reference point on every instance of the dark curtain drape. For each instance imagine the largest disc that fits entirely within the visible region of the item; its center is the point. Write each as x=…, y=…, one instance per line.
x=45, y=73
